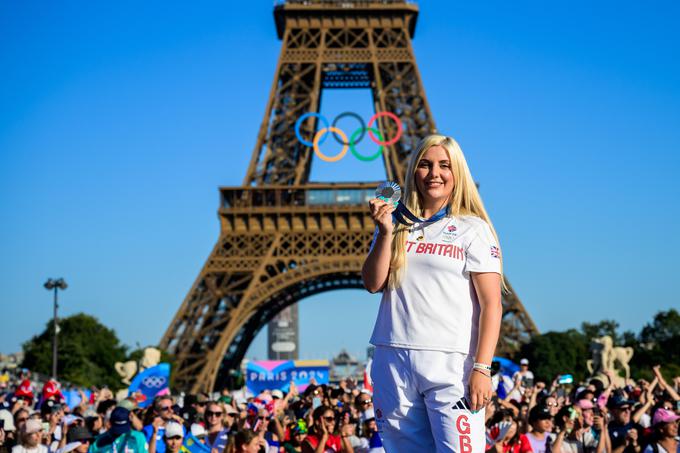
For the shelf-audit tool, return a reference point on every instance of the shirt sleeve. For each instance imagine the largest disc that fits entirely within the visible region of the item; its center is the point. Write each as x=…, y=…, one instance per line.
x=483, y=253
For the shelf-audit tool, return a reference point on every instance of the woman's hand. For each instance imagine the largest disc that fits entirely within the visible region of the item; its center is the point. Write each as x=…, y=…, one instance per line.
x=480, y=390
x=381, y=213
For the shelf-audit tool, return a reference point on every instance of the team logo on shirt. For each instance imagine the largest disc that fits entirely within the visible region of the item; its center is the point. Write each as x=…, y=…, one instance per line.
x=495, y=252
x=449, y=234
x=451, y=228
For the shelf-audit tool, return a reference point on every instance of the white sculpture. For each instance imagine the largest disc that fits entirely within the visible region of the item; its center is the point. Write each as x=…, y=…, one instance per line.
x=605, y=357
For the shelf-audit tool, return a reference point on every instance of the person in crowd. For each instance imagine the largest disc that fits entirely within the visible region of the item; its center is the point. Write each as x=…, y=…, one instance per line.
x=78, y=439
x=120, y=435
x=217, y=433
x=623, y=431
x=31, y=437
x=523, y=379
x=163, y=410
x=665, y=436
x=440, y=314
x=173, y=436
x=246, y=441
x=322, y=438
x=541, y=436
x=298, y=432
x=8, y=429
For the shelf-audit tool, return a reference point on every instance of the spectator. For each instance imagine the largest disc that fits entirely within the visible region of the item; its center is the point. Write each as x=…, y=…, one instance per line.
x=623, y=432
x=321, y=436
x=541, y=437
x=120, y=435
x=162, y=413
x=79, y=440
x=522, y=379
x=31, y=436
x=8, y=429
x=665, y=437
x=246, y=441
x=594, y=438
x=298, y=432
x=217, y=436
x=173, y=436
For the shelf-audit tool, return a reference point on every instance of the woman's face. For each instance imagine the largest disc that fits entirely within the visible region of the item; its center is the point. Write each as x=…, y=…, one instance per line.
x=173, y=444
x=670, y=429
x=329, y=420
x=252, y=447
x=434, y=179
x=511, y=432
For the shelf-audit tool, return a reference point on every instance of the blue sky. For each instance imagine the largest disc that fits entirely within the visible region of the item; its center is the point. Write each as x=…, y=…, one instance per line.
x=119, y=121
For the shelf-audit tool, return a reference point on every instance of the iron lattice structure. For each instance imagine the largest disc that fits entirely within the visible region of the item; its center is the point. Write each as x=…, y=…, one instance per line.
x=282, y=237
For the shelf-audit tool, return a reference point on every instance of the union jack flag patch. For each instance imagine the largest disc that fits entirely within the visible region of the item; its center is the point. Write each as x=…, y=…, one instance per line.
x=495, y=252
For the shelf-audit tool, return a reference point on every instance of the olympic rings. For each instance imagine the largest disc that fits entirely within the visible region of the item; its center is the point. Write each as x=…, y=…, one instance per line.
x=321, y=155
x=356, y=153
x=298, y=123
x=396, y=120
x=353, y=115
x=154, y=381
x=341, y=137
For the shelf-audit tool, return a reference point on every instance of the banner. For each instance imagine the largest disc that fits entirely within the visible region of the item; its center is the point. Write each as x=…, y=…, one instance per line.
x=150, y=383
x=193, y=445
x=277, y=374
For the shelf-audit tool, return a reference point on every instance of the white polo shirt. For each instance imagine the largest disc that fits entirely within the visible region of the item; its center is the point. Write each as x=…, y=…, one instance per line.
x=436, y=306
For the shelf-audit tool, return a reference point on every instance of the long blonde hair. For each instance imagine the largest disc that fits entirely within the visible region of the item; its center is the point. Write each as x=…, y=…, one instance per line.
x=464, y=200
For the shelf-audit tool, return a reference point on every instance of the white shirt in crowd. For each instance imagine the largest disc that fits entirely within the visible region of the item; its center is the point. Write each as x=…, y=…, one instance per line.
x=436, y=306
x=538, y=445
x=660, y=449
x=20, y=449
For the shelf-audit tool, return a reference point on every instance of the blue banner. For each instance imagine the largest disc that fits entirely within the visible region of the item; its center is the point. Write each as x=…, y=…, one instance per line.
x=151, y=382
x=277, y=374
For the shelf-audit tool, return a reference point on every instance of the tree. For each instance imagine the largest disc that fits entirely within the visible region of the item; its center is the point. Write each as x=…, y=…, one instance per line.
x=556, y=353
x=606, y=327
x=87, y=352
x=658, y=345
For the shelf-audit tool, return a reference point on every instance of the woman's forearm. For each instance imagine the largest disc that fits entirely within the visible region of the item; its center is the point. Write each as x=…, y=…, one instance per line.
x=376, y=269
x=488, y=287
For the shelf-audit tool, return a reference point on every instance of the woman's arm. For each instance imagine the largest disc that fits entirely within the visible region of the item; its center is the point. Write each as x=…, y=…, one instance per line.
x=376, y=269
x=488, y=288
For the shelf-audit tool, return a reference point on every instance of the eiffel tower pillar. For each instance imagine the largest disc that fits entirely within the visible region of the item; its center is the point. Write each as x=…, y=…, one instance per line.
x=283, y=237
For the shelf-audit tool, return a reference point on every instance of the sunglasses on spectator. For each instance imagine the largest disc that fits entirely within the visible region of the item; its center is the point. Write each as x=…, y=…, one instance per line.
x=213, y=414
x=201, y=404
x=366, y=401
x=330, y=418
x=22, y=419
x=165, y=408
x=551, y=404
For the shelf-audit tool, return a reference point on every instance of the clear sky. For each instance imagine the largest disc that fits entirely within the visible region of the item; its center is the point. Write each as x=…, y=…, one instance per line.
x=118, y=121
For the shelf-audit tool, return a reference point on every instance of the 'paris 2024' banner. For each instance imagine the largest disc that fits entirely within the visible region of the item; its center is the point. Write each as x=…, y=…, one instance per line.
x=277, y=374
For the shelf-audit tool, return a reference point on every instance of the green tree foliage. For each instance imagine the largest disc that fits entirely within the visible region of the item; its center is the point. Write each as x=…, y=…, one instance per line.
x=554, y=353
x=87, y=352
x=657, y=343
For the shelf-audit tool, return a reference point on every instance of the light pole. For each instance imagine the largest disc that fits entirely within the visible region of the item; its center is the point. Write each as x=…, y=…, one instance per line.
x=56, y=285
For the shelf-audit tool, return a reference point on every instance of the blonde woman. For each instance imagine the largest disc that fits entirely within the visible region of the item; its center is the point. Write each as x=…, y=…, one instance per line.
x=440, y=313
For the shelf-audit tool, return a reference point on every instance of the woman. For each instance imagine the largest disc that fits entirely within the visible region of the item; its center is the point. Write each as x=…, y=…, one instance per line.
x=321, y=437
x=440, y=314
x=246, y=441
x=665, y=437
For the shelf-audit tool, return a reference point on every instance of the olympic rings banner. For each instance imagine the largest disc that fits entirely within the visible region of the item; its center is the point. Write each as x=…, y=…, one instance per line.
x=151, y=382
x=277, y=374
x=340, y=136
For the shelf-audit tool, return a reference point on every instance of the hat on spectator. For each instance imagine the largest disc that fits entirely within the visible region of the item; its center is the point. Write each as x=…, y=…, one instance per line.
x=618, y=401
x=49, y=407
x=120, y=421
x=276, y=393
x=524, y=362
x=197, y=430
x=32, y=426
x=585, y=404
x=70, y=419
x=230, y=410
x=79, y=434
x=664, y=416
x=7, y=420
x=539, y=413
x=25, y=390
x=367, y=414
x=173, y=429
x=128, y=404
x=51, y=391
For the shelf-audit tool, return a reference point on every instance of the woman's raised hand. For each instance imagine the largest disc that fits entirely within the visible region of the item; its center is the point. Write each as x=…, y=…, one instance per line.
x=381, y=213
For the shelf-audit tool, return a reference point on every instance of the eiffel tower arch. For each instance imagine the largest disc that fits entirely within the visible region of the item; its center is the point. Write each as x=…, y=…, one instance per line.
x=282, y=237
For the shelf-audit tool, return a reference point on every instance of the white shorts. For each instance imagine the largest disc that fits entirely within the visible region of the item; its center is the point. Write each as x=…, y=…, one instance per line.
x=420, y=404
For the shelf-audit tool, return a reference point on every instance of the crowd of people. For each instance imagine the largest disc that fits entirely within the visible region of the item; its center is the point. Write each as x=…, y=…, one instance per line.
x=525, y=415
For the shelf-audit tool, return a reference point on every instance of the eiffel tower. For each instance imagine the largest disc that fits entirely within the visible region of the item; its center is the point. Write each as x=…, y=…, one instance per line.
x=284, y=238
